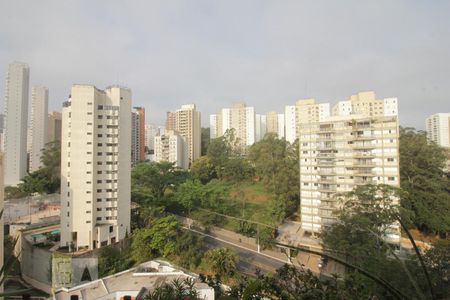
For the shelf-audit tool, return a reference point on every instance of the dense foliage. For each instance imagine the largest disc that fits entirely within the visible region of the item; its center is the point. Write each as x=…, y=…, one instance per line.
x=426, y=184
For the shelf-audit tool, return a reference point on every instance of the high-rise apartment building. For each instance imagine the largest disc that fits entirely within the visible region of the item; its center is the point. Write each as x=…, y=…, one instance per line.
x=188, y=125
x=137, y=135
x=438, y=129
x=54, y=126
x=239, y=117
x=275, y=124
x=170, y=120
x=171, y=147
x=151, y=131
x=304, y=111
x=343, y=151
x=2, y=132
x=16, y=112
x=95, y=167
x=260, y=127
x=38, y=125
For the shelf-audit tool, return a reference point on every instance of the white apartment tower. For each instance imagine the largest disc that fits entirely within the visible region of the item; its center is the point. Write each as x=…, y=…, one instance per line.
x=188, y=125
x=171, y=147
x=275, y=124
x=438, y=129
x=304, y=111
x=38, y=125
x=95, y=167
x=260, y=127
x=239, y=117
x=343, y=151
x=16, y=112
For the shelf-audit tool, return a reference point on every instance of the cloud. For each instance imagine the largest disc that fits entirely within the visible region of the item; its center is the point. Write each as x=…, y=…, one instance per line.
x=267, y=53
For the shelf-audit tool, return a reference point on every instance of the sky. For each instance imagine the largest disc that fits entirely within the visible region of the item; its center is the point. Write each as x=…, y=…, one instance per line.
x=213, y=53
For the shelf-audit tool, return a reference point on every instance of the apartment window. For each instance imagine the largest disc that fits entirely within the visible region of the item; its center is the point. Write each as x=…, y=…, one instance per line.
x=89, y=152
x=68, y=203
x=99, y=181
x=99, y=172
x=68, y=214
x=100, y=107
x=88, y=192
x=391, y=178
x=68, y=164
x=99, y=126
x=89, y=103
x=89, y=123
x=68, y=194
x=89, y=133
x=390, y=159
x=99, y=218
x=100, y=116
x=88, y=182
x=111, y=228
x=99, y=199
x=99, y=135
x=88, y=202
x=99, y=209
x=99, y=153
x=89, y=162
x=88, y=211
x=89, y=113
x=88, y=172
x=99, y=163
x=99, y=190
x=87, y=222
x=89, y=143
x=99, y=144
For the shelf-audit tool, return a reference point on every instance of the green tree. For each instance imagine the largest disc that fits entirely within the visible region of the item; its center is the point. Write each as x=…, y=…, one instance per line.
x=426, y=184
x=112, y=260
x=236, y=169
x=189, y=248
x=222, y=261
x=437, y=260
x=46, y=180
x=190, y=195
x=150, y=180
x=203, y=170
x=157, y=240
x=276, y=163
x=205, y=138
x=176, y=290
x=367, y=219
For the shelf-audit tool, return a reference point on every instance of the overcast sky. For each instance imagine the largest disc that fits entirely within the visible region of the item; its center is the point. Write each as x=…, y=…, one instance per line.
x=212, y=53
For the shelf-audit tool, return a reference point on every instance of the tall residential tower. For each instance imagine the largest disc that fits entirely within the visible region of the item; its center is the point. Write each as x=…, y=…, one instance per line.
x=38, y=125
x=95, y=167
x=16, y=112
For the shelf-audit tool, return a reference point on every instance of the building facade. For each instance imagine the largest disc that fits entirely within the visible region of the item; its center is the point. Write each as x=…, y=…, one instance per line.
x=275, y=124
x=171, y=147
x=304, y=111
x=438, y=129
x=95, y=167
x=341, y=152
x=16, y=123
x=188, y=125
x=239, y=117
x=170, y=120
x=54, y=127
x=38, y=126
x=137, y=135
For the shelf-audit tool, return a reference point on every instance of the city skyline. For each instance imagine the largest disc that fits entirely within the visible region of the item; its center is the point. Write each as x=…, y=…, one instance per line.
x=262, y=59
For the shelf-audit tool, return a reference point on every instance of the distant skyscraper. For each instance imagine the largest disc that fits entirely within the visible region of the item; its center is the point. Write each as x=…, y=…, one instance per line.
x=95, y=167
x=239, y=117
x=343, y=151
x=438, y=129
x=188, y=125
x=38, y=125
x=275, y=124
x=16, y=112
x=150, y=132
x=260, y=127
x=54, y=127
x=304, y=111
x=171, y=147
x=170, y=120
x=2, y=132
x=137, y=135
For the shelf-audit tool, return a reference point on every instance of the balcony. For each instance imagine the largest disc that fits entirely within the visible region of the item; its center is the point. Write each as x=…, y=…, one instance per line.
x=327, y=172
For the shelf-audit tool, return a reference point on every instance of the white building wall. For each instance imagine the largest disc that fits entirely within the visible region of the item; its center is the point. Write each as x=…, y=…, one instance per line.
x=250, y=125
x=390, y=107
x=438, y=129
x=95, y=167
x=38, y=125
x=290, y=123
x=226, y=120
x=342, y=108
x=16, y=123
x=281, y=126
x=213, y=126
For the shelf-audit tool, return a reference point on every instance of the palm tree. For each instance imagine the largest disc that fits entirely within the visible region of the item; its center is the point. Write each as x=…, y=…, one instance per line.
x=221, y=260
x=176, y=290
